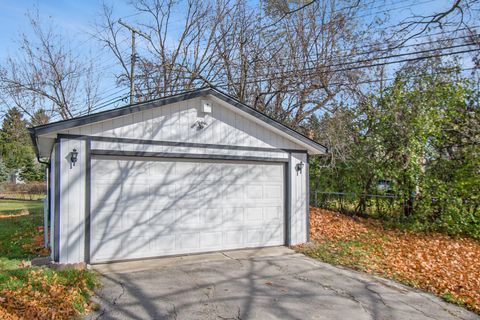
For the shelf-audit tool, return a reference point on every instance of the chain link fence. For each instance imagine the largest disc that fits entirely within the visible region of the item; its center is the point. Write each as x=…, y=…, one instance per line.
x=361, y=204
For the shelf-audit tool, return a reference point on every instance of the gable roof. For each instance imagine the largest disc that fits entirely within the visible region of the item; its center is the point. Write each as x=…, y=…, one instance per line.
x=55, y=127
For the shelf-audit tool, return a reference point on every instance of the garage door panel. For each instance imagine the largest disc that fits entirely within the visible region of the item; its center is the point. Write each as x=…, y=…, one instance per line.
x=135, y=193
x=186, y=171
x=253, y=215
x=271, y=234
x=210, y=173
x=272, y=191
x=232, y=217
x=211, y=216
x=253, y=236
x=187, y=241
x=163, y=244
x=106, y=192
x=162, y=170
x=174, y=207
x=233, y=191
x=272, y=173
x=187, y=191
x=136, y=244
x=188, y=218
x=160, y=189
x=254, y=191
x=113, y=223
x=211, y=240
x=271, y=214
x=232, y=239
x=162, y=217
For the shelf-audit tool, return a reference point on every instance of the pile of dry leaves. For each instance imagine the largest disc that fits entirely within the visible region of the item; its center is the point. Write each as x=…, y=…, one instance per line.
x=36, y=245
x=43, y=296
x=449, y=267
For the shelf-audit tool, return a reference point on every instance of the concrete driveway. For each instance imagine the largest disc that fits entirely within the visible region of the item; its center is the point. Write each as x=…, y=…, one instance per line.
x=271, y=283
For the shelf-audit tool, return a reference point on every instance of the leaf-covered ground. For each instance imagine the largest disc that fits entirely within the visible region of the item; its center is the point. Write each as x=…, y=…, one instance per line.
x=446, y=266
x=33, y=292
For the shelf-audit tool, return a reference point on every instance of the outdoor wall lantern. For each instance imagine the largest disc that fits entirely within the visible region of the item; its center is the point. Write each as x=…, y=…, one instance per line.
x=74, y=156
x=299, y=167
x=200, y=124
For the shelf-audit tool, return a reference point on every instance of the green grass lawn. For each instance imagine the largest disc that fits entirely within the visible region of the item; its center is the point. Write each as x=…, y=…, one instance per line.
x=21, y=239
x=14, y=206
x=17, y=234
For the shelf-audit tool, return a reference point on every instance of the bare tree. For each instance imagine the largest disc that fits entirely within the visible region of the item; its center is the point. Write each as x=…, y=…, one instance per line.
x=283, y=60
x=165, y=66
x=47, y=75
x=458, y=16
x=278, y=61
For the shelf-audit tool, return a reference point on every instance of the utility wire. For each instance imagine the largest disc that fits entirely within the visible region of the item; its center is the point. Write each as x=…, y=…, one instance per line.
x=352, y=68
x=365, y=61
x=337, y=83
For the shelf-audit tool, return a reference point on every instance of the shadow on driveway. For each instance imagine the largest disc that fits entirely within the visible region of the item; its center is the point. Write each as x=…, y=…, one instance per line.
x=269, y=283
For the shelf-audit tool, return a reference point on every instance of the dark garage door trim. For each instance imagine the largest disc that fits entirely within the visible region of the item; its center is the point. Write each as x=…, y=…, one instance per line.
x=160, y=155
x=179, y=143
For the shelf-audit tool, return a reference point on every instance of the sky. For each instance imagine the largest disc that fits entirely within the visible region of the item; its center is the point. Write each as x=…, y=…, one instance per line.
x=76, y=18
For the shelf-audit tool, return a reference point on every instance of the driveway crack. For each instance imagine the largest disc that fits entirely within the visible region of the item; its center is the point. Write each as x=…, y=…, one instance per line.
x=232, y=258
x=376, y=293
x=419, y=310
x=174, y=313
x=122, y=285
x=339, y=292
x=114, y=301
x=441, y=306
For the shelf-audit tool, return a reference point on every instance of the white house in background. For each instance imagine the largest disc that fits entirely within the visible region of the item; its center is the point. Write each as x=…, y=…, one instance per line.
x=193, y=172
x=15, y=177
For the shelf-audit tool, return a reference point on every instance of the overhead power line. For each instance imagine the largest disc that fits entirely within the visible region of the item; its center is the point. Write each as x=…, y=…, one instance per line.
x=133, y=56
x=353, y=67
x=365, y=63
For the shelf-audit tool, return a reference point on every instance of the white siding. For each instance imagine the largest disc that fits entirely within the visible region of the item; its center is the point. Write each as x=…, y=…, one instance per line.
x=72, y=202
x=175, y=122
x=171, y=123
x=298, y=200
x=52, y=201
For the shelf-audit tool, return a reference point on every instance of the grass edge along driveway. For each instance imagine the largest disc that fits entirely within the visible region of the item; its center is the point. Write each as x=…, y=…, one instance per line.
x=446, y=266
x=35, y=292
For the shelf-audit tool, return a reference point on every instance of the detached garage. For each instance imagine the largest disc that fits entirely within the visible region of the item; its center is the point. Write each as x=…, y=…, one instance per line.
x=194, y=172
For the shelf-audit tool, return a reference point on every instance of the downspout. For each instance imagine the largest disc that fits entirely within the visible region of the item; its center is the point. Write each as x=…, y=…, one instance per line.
x=46, y=204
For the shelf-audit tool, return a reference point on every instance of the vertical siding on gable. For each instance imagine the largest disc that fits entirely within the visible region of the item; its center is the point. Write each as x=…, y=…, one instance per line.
x=174, y=123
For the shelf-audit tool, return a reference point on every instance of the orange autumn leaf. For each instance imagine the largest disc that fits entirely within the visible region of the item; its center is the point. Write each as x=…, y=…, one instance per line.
x=434, y=261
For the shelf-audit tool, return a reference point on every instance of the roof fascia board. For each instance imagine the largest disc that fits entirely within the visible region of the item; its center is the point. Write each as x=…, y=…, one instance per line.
x=123, y=111
x=313, y=146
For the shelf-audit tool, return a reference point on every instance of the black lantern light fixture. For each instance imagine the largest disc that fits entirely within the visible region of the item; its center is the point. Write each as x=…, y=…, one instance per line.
x=74, y=156
x=299, y=167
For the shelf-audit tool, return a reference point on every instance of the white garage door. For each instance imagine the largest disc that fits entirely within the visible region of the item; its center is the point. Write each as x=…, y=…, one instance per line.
x=148, y=208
